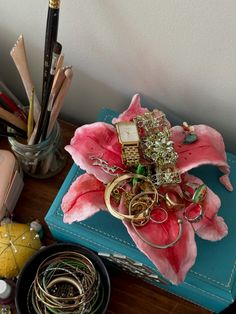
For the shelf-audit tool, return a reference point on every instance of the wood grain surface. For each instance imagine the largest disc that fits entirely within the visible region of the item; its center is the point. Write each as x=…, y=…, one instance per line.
x=129, y=295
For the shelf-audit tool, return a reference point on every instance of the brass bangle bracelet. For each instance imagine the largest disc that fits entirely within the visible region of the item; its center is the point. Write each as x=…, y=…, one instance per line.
x=54, y=306
x=55, y=258
x=159, y=246
x=38, y=287
x=109, y=188
x=59, y=258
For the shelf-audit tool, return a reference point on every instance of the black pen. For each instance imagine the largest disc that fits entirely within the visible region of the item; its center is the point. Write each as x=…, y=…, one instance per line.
x=11, y=134
x=20, y=132
x=50, y=40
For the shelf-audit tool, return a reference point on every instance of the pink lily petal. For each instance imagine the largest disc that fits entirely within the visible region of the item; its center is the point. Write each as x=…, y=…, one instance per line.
x=226, y=182
x=84, y=198
x=174, y=262
x=210, y=227
x=133, y=110
x=214, y=230
x=208, y=149
x=96, y=140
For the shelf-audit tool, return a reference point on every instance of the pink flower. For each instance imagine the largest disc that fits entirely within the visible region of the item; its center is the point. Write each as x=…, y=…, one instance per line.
x=98, y=141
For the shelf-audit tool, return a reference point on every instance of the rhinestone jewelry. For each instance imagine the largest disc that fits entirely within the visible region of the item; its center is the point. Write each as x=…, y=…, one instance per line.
x=103, y=164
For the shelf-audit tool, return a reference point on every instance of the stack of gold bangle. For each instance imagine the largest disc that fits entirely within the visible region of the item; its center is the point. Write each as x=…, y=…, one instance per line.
x=65, y=282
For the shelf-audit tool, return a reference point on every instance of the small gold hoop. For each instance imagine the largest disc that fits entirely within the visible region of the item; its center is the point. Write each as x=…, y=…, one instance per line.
x=159, y=221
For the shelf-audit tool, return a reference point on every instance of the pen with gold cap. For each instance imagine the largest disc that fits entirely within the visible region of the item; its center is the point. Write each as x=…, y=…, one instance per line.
x=50, y=37
x=50, y=40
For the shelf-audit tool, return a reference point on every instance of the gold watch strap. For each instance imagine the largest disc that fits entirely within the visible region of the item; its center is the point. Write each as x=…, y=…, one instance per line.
x=130, y=155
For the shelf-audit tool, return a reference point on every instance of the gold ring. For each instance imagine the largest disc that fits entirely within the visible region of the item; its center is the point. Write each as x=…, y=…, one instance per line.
x=159, y=221
x=197, y=218
x=171, y=203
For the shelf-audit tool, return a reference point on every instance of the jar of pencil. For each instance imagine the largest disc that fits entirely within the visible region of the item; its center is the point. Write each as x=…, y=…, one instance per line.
x=42, y=160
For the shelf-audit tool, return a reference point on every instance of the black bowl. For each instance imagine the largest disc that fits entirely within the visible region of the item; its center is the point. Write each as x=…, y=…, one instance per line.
x=28, y=273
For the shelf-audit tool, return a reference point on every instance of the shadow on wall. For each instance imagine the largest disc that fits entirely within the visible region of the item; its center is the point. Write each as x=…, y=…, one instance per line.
x=213, y=117
x=87, y=96
x=88, y=91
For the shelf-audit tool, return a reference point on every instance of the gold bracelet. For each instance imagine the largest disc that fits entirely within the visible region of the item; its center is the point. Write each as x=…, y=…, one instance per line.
x=109, y=188
x=159, y=246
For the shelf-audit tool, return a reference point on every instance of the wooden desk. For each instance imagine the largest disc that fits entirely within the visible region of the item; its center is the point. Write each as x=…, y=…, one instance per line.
x=129, y=295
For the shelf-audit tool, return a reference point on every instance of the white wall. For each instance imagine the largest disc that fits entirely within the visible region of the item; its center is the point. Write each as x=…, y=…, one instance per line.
x=178, y=54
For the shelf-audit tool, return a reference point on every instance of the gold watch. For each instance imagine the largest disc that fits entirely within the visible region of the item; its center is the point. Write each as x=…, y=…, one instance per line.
x=129, y=139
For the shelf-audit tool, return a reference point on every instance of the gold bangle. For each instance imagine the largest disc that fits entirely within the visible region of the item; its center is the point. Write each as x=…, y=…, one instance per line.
x=59, y=257
x=159, y=246
x=109, y=188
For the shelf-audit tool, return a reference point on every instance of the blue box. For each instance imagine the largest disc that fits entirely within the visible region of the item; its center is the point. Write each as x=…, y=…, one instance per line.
x=211, y=282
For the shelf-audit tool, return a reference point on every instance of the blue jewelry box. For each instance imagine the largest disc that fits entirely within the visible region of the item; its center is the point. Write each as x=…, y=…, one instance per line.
x=211, y=283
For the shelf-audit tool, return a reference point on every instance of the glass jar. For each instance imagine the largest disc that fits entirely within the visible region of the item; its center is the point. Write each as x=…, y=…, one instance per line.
x=42, y=160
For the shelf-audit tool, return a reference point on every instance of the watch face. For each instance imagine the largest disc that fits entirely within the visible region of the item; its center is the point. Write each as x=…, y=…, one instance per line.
x=128, y=132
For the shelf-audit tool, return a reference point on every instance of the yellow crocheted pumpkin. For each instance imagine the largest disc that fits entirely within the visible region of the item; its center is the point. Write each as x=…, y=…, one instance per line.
x=18, y=242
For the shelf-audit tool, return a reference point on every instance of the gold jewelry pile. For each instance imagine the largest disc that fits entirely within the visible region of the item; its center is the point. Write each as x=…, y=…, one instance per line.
x=150, y=184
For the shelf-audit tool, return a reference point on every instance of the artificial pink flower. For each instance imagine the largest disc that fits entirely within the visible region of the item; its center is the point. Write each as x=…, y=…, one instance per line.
x=86, y=195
